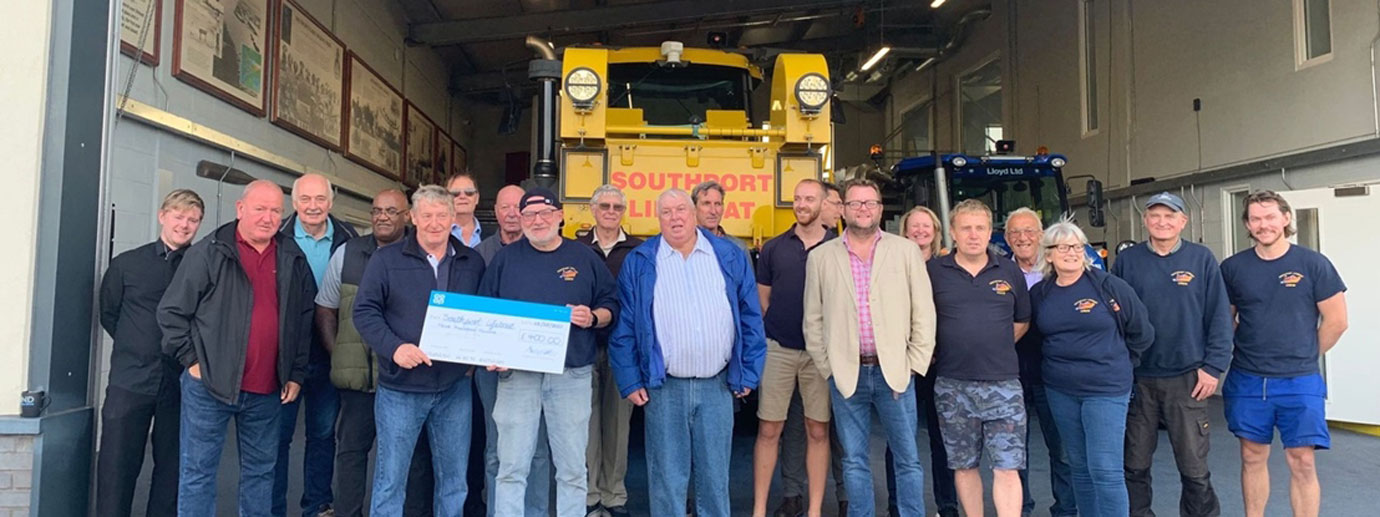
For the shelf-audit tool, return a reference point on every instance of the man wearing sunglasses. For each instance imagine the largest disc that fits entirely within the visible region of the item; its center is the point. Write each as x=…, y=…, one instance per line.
x=465, y=190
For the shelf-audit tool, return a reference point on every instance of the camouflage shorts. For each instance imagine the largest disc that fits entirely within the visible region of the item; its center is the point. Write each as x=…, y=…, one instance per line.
x=977, y=415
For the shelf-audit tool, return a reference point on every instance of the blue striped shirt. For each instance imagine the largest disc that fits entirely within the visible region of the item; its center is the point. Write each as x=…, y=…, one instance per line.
x=694, y=322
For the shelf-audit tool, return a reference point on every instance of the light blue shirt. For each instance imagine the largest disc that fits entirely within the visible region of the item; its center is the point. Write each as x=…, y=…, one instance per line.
x=474, y=237
x=318, y=251
x=695, y=323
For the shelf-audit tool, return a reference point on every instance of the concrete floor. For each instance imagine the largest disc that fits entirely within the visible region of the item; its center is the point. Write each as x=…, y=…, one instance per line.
x=1349, y=474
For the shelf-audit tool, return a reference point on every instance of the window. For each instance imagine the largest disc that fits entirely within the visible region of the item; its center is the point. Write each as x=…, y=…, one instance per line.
x=980, y=108
x=1312, y=31
x=1087, y=64
x=915, y=130
x=1237, y=237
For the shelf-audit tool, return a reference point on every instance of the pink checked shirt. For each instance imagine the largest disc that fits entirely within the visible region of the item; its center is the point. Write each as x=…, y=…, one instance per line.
x=862, y=290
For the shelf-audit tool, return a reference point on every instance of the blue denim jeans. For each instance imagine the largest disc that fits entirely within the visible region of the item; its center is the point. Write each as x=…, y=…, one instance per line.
x=524, y=399
x=202, y=437
x=318, y=466
x=1060, y=478
x=941, y=476
x=537, y=503
x=689, y=422
x=399, y=417
x=853, y=420
x=1093, y=429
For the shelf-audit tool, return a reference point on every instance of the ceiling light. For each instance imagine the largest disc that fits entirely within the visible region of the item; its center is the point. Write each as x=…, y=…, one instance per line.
x=872, y=61
x=927, y=62
x=936, y=3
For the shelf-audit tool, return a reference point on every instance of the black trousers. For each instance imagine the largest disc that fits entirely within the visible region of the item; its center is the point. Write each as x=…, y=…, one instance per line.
x=355, y=433
x=125, y=421
x=1169, y=400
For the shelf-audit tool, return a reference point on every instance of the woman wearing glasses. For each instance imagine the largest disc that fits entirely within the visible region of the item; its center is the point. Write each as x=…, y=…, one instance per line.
x=1095, y=329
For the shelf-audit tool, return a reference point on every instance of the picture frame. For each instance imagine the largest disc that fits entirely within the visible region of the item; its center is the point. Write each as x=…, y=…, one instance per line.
x=373, y=128
x=308, y=78
x=462, y=158
x=221, y=47
x=141, y=17
x=445, y=157
x=419, y=147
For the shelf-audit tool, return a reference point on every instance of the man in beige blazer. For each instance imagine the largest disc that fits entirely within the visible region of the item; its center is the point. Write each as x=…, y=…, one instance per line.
x=869, y=323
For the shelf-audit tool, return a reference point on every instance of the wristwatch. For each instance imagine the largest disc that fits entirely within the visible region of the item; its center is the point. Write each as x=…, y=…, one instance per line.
x=595, y=320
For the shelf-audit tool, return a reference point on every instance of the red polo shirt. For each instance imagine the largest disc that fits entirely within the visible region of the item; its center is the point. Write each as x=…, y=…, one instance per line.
x=261, y=357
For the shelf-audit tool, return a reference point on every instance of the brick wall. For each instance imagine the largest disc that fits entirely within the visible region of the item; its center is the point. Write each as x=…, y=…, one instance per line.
x=16, y=474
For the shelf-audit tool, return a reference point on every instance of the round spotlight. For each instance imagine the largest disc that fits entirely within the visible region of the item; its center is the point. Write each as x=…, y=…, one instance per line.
x=812, y=92
x=582, y=86
x=959, y=161
x=1057, y=162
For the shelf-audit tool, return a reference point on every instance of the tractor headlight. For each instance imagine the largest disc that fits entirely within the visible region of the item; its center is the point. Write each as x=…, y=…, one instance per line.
x=582, y=86
x=959, y=161
x=1057, y=162
x=812, y=92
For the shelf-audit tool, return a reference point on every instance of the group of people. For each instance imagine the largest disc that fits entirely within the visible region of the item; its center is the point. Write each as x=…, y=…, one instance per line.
x=823, y=327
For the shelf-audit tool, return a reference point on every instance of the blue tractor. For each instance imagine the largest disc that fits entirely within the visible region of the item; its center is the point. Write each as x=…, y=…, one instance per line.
x=1003, y=182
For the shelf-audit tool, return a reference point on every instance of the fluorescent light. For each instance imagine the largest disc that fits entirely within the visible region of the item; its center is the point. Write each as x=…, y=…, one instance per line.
x=872, y=61
x=936, y=3
x=922, y=66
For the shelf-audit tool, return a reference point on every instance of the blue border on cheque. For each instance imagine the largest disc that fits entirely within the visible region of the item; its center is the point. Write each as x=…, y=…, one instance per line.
x=540, y=311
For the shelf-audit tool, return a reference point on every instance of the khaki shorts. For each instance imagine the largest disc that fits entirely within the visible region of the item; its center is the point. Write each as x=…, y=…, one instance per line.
x=784, y=369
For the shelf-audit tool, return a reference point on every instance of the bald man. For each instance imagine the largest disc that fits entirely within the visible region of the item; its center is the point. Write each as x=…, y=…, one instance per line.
x=318, y=235
x=238, y=317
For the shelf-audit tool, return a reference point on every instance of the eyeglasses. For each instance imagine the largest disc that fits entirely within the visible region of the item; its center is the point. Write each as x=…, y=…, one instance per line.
x=467, y=192
x=871, y=204
x=390, y=212
x=1065, y=248
x=548, y=215
x=607, y=207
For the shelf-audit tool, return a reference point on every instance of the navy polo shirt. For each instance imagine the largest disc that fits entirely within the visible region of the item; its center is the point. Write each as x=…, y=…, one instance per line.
x=1277, y=309
x=781, y=266
x=974, y=338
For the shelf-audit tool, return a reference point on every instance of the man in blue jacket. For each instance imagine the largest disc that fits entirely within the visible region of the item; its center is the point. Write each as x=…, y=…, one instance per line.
x=686, y=359
x=413, y=391
x=1182, y=288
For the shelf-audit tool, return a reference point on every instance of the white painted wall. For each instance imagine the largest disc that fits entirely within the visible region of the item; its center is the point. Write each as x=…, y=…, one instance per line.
x=23, y=88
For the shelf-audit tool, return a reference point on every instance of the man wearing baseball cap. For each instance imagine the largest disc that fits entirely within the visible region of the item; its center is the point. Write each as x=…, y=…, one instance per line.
x=1183, y=290
x=546, y=268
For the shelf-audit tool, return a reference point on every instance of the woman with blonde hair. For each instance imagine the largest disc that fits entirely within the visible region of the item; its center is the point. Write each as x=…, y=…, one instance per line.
x=924, y=231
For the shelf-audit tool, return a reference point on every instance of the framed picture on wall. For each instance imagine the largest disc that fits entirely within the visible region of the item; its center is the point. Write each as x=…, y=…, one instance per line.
x=309, y=77
x=374, y=115
x=445, y=157
x=462, y=157
x=420, y=146
x=141, y=27
x=221, y=46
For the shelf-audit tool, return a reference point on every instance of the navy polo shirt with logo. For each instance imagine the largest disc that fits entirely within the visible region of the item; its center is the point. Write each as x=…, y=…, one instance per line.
x=781, y=266
x=572, y=274
x=1277, y=309
x=974, y=337
x=1187, y=301
x=1084, y=353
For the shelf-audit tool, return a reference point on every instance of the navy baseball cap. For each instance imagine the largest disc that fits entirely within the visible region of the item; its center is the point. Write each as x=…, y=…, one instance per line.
x=539, y=196
x=1172, y=201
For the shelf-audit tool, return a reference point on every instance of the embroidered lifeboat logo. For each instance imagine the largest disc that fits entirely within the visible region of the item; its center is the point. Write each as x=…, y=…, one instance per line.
x=567, y=273
x=1000, y=287
x=1085, y=305
x=1290, y=279
x=1182, y=278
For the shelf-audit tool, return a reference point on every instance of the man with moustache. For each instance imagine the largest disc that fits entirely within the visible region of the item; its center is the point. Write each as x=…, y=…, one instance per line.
x=143, y=386
x=547, y=268
x=606, y=458
x=413, y=392
x=318, y=235
x=354, y=369
x=870, y=359
x=1023, y=233
x=781, y=289
x=709, y=210
x=1290, y=307
x=486, y=382
x=1182, y=288
x=238, y=316
x=684, y=362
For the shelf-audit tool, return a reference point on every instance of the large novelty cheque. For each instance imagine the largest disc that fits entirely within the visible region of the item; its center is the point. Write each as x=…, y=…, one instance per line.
x=489, y=331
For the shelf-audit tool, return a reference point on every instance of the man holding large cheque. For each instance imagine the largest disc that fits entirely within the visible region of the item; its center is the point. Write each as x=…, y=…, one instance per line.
x=390, y=309
x=545, y=268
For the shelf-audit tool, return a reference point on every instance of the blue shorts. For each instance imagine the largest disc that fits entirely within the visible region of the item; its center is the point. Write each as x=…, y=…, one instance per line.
x=1257, y=405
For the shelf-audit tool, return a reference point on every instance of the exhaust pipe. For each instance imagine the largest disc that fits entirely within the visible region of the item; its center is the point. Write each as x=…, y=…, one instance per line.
x=546, y=70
